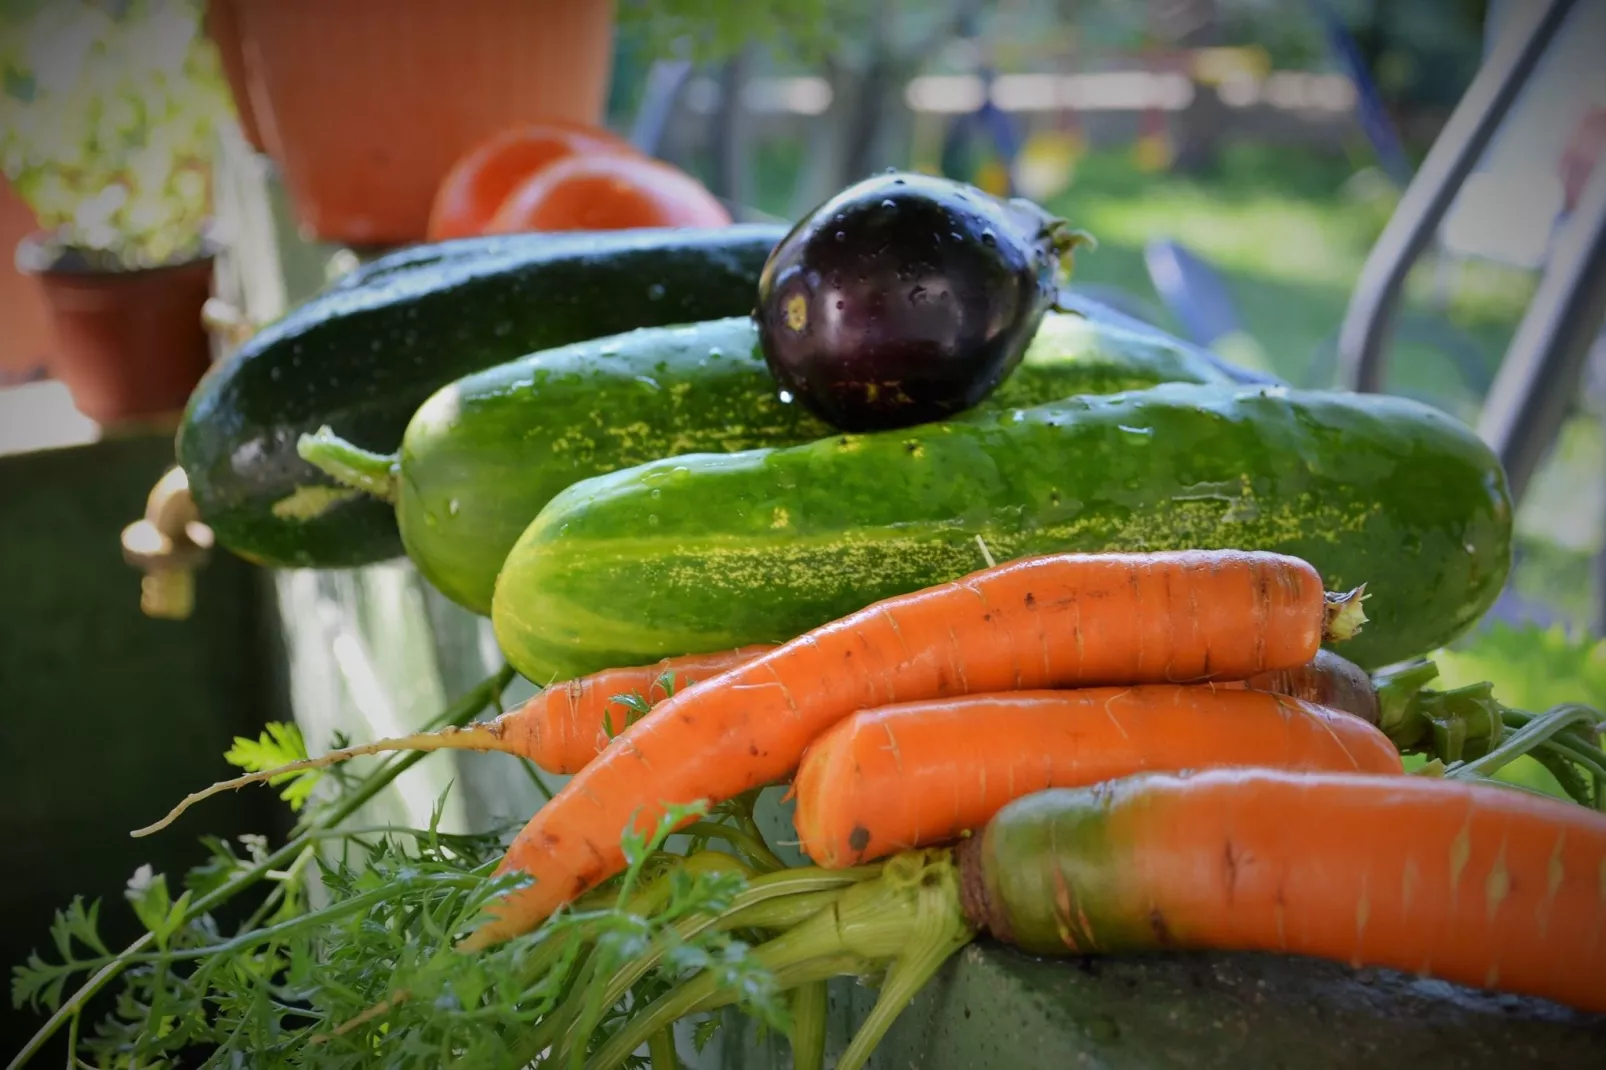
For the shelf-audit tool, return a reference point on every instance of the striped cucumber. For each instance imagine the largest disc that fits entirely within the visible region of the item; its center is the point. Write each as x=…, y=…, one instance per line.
x=708, y=552
x=483, y=455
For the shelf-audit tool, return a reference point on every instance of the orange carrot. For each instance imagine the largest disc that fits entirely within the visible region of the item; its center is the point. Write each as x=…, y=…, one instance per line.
x=1473, y=883
x=560, y=728
x=920, y=773
x=1062, y=620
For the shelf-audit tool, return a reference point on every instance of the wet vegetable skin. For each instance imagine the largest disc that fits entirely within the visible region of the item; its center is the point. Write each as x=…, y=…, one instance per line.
x=362, y=356
x=907, y=298
x=483, y=455
x=704, y=553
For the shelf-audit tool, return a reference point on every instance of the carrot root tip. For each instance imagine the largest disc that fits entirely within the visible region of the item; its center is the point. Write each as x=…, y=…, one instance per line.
x=975, y=901
x=1345, y=614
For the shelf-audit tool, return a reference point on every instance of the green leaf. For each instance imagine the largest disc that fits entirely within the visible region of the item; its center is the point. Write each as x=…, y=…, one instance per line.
x=77, y=923
x=279, y=744
x=704, y=1033
x=19, y=85
x=147, y=893
x=38, y=984
x=1532, y=668
x=636, y=707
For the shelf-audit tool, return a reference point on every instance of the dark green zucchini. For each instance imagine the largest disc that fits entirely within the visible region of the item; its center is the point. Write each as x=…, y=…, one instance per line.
x=364, y=354
x=484, y=454
x=709, y=552
x=426, y=254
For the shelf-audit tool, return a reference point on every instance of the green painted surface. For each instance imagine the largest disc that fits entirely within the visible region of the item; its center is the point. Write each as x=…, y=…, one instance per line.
x=108, y=717
x=992, y=1008
x=707, y=552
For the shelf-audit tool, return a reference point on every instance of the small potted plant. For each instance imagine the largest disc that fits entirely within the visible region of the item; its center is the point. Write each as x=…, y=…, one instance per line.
x=110, y=146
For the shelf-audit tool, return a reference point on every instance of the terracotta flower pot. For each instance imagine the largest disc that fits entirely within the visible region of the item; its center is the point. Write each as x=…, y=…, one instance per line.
x=26, y=339
x=366, y=104
x=223, y=26
x=130, y=344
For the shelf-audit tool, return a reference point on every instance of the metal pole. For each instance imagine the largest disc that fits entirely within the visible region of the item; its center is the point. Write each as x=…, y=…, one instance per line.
x=665, y=79
x=1542, y=373
x=1454, y=153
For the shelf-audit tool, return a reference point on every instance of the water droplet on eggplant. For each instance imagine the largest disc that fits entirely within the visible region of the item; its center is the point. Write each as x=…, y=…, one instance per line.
x=947, y=345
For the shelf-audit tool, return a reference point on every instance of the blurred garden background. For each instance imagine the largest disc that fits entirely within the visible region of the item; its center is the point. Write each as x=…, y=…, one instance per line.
x=1262, y=143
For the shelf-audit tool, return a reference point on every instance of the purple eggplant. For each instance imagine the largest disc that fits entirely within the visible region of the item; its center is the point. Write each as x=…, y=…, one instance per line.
x=906, y=299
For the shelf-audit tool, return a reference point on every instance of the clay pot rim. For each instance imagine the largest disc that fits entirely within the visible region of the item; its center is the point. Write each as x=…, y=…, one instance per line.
x=33, y=257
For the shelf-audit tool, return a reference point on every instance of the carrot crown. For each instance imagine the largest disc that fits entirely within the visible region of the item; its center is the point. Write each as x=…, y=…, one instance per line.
x=1344, y=615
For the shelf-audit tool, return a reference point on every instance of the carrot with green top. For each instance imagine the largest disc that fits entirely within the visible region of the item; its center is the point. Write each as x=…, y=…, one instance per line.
x=1468, y=882
x=1062, y=620
x=1465, y=728
x=1471, y=883
x=920, y=773
x=560, y=728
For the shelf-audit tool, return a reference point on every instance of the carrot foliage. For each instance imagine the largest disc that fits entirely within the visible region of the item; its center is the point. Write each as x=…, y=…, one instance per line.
x=338, y=948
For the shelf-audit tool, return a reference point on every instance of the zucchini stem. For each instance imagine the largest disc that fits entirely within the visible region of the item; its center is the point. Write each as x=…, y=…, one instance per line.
x=349, y=464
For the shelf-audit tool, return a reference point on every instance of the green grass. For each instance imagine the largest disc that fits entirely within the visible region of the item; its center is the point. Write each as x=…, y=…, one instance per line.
x=1289, y=232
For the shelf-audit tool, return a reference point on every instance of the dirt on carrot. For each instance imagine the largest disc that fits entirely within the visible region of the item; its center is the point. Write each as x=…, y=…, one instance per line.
x=1327, y=680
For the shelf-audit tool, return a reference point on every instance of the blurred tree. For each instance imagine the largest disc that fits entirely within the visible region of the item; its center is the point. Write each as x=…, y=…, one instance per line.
x=881, y=45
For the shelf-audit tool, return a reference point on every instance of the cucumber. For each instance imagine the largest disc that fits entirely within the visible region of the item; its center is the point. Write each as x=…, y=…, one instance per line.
x=708, y=552
x=365, y=353
x=484, y=454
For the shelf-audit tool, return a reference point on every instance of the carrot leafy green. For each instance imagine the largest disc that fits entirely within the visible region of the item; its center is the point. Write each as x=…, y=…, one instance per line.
x=345, y=955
